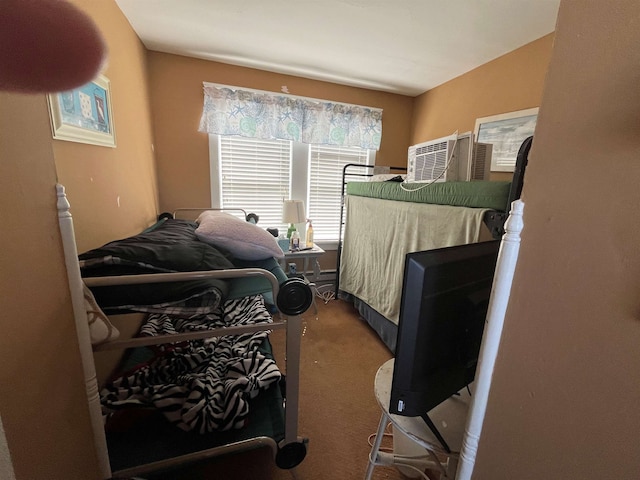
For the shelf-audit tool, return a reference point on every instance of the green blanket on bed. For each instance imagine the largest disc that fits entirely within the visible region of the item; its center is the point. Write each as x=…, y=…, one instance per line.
x=475, y=194
x=378, y=235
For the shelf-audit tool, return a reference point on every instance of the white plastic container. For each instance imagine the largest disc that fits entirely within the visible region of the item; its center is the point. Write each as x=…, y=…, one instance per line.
x=295, y=241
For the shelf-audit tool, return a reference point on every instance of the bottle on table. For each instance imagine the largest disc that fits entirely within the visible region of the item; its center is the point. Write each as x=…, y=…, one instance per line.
x=295, y=241
x=309, y=243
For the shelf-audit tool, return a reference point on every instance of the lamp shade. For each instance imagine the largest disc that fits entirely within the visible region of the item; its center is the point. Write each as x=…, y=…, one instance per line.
x=293, y=211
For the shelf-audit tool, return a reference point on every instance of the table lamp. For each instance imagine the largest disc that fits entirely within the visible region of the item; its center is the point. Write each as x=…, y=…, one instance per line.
x=292, y=213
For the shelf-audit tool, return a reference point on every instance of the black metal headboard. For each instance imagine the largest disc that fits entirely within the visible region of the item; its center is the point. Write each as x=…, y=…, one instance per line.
x=518, y=174
x=495, y=220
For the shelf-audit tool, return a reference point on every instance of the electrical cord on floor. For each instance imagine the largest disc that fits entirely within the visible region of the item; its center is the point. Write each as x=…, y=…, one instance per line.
x=325, y=292
x=388, y=433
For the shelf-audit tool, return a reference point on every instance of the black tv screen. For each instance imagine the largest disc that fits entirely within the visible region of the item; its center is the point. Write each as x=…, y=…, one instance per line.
x=445, y=297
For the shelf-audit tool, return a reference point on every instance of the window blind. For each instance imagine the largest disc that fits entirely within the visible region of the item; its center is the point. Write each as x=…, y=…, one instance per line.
x=255, y=175
x=325, y=186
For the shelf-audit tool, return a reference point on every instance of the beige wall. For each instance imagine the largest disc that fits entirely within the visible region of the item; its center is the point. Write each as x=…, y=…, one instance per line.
x=182, y=153
x=113, y=191
x=565, y=395
x=42, y=396
x=511, y=82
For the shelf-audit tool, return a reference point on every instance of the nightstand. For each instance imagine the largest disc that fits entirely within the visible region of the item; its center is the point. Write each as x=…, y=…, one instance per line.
x=309, y=262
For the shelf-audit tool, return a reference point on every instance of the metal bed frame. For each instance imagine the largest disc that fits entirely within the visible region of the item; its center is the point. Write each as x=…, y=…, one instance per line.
x=494, y=220
x=353, y=171
x=293, y=297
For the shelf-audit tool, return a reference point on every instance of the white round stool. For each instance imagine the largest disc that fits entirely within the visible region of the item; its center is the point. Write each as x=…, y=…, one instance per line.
x=449, y=418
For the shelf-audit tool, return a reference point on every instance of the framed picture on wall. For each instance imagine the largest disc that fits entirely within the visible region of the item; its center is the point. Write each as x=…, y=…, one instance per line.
x=506, y=132
x=84, y=114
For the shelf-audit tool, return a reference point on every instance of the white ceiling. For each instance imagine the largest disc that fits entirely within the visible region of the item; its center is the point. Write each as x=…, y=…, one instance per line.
x=398, y=46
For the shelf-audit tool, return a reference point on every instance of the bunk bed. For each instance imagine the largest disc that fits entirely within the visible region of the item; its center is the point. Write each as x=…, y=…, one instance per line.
x=381, y=221
x=199, y=379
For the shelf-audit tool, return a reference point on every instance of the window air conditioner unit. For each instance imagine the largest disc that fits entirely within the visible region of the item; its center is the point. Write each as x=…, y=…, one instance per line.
x=445, y=159
x=481, y=163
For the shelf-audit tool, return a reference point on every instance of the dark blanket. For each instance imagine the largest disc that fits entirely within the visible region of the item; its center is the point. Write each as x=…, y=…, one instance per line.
x=171, y=246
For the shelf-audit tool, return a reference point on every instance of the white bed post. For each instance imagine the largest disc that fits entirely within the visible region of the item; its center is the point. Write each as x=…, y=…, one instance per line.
x=505, y=268
x=82, y=327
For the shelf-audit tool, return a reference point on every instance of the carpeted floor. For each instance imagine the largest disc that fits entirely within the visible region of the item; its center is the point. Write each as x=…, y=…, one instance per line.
x=338, y=410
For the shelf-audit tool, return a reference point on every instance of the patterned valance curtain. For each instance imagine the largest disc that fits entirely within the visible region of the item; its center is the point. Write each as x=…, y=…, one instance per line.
x=265, y=115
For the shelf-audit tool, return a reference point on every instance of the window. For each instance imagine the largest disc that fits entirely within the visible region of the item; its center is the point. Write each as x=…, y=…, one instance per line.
x=254, y=175
x=325, y=186
x=257, y=175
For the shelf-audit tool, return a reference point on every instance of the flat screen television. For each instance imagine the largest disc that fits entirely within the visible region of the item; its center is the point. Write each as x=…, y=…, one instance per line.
x=445, y=297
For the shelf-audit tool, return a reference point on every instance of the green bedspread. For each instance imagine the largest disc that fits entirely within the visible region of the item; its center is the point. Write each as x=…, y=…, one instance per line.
x=475, y=194
x=378, y=235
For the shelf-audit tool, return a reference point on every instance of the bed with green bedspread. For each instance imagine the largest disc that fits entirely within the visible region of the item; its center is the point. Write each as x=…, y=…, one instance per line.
x=383, y=221
x=476, y=194
x=380, y=232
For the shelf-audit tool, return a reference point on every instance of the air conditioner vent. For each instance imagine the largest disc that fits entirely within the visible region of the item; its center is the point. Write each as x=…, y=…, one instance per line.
x=435, y=147
x=481, y=164
x=443, y=159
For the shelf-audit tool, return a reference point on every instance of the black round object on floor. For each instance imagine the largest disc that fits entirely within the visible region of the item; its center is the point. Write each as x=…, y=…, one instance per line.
x=294, y=297
x=290, y=455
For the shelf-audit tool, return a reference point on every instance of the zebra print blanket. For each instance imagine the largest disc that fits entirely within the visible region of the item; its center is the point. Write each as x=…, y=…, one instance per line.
x=201, y=385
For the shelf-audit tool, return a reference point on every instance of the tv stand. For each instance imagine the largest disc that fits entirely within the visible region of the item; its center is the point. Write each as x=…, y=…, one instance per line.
x=439, y=446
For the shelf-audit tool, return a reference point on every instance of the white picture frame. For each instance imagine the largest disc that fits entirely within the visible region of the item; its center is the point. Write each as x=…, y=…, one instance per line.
x=506, y=132
x=83, y=114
